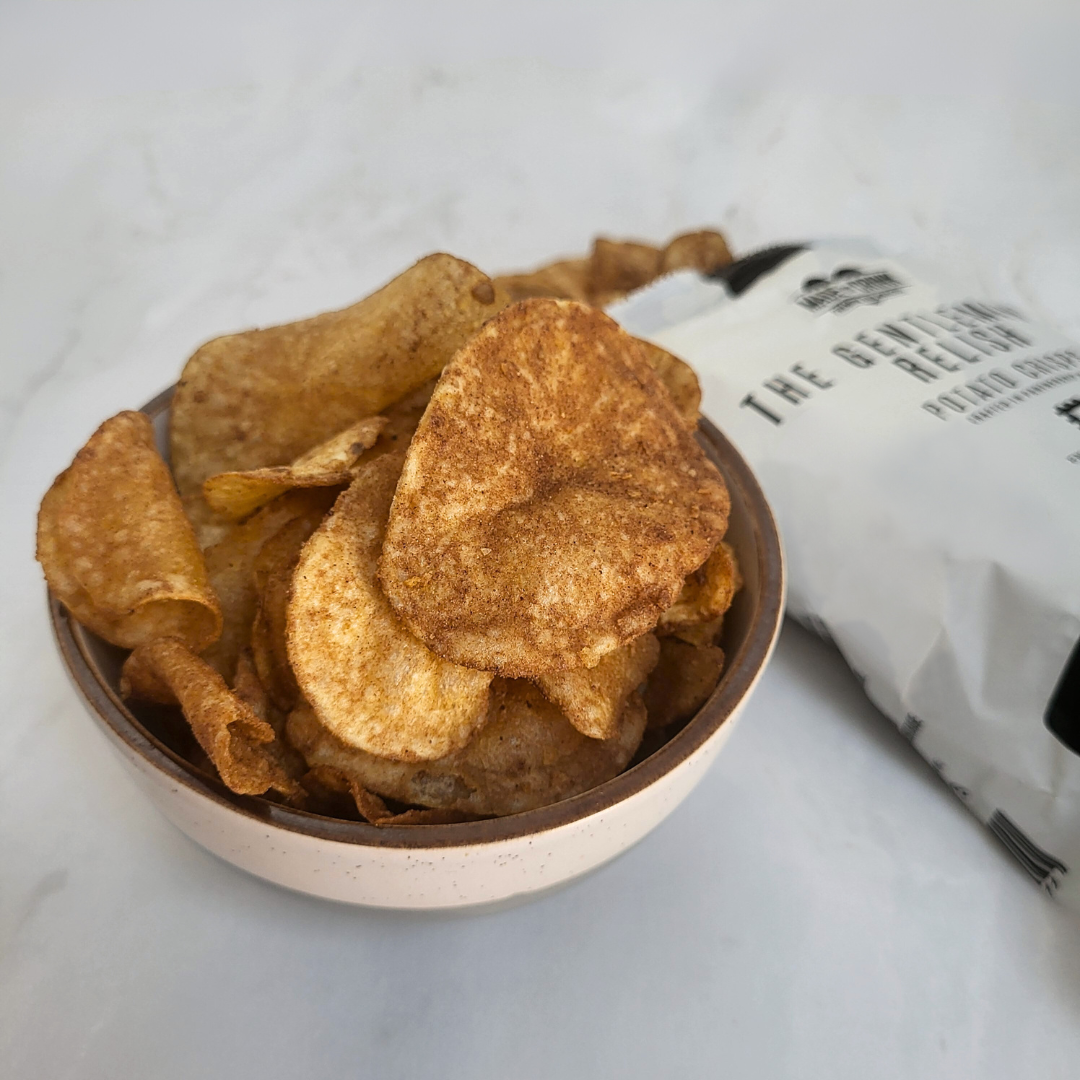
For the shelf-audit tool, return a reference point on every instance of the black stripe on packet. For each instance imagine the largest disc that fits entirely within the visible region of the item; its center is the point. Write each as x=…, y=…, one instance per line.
x=1043, y=867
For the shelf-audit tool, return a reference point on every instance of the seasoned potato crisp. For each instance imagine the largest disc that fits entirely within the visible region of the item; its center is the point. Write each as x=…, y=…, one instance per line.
x=615, y=268
x=237, y=495
x=682, y=681
x=705, y=251
x=115, y=545
x=231, y=566
x=527, y=755
x=593, y=699
x=234, y=738
x=373, y=684
x=454, y=548
x=707, y=594
x=678, y=378
x=552, y=500
x=264, y=397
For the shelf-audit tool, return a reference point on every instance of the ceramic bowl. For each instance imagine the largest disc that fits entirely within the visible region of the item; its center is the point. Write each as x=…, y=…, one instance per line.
x=448, y=866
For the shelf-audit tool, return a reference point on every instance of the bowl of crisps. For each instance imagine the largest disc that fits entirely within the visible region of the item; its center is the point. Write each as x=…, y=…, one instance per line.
x=442, y=600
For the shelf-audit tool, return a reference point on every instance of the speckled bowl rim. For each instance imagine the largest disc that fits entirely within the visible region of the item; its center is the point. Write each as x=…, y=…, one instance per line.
x=742, y=672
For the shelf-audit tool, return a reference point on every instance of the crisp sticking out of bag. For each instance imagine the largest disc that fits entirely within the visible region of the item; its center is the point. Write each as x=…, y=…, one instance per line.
x=264, y=397
x=561, y=526
x=921, y=448
x=116, y=547
x=616, y=267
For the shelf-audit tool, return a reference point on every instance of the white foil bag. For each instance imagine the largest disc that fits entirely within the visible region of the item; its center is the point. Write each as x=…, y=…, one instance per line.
x=921, y=449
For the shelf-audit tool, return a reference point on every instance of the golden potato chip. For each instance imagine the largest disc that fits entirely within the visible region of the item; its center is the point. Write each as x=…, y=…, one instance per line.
x=371, y=682
x=234, y=738
x=564, y=280
x=706, y=633
x=707, y=594
x=593, y=699
x=527, y=755
x=678, y=378
x=248, y=687
x=552, y=500
x=402, y=419
x=618, y=267
x=264, y=397
x=116, y=547
x=682, y=681
x=237, y=495
x=325, y=779
x=705, y=251
x=210, y=528
x=230, y=566
x=273, y=569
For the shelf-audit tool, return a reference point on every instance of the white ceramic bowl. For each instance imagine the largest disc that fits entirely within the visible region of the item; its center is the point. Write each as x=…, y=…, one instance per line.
x=448, y=866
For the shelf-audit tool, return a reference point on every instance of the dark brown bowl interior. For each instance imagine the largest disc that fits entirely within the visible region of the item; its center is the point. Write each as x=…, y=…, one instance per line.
x=749, y=629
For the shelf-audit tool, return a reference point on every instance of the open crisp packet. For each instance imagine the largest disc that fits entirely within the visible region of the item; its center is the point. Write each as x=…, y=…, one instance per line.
x=921, y=447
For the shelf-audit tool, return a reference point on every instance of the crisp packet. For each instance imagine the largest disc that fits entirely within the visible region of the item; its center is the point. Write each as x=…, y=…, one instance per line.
x=921, y=448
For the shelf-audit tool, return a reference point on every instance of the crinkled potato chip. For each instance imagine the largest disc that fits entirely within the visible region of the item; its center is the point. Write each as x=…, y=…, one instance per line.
x=682, y=681
x=707, y=594
x=327, y=784
x=527, y=755
x=705, y=251
x=231, y=567
x=618, y=267
x=402, y=419
x=552, y=501
x=210, y=528
x=593, y=699
x=370, y=681
x=264, y=397
x=248, y=687
x=237, y=495
x=273, y=568
x=116, y=547
x=706, y=633
x=234, y=738
x=679, y=379
x=564, y=280
x=615, y=268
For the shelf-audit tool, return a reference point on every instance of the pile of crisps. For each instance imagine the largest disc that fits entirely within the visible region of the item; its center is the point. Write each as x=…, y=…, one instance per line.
x=447, y=553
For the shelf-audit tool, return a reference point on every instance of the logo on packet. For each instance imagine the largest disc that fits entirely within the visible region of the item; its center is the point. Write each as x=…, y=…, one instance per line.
x=847, y=287
x=1070, y=410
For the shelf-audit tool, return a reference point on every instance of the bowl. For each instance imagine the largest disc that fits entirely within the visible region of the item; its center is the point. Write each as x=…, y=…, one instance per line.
x=458, y=865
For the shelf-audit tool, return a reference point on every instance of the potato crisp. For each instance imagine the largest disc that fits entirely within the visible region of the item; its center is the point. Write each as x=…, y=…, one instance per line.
x=527, y=755
x=552, y=500
x=374, y=685
x=237, y=495
x=264, y=397
x=235, y=739
x=115, y=545
x=445, y=554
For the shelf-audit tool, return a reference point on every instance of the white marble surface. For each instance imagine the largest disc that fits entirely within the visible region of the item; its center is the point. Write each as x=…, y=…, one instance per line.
x=820, y=907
